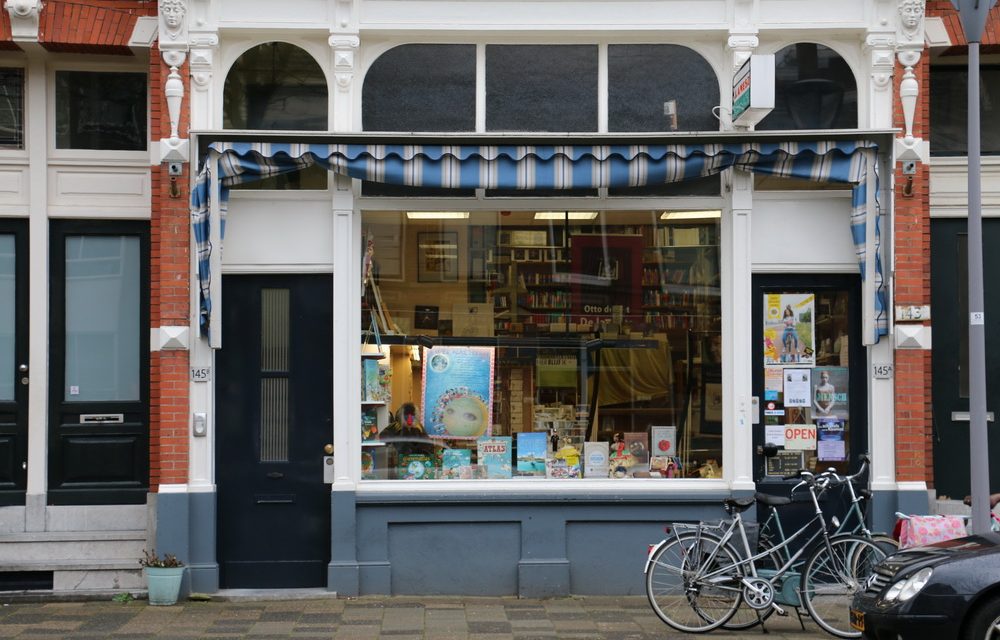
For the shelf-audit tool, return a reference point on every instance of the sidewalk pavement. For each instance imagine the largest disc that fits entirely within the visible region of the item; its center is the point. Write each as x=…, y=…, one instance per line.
x=397, y=618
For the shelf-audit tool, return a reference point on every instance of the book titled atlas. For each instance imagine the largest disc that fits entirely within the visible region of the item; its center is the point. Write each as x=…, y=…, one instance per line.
x=494, y=457
x=456, y=464
x=531, y=449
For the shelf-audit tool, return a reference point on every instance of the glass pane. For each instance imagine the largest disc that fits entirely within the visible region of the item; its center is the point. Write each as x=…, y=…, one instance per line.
x=806, y=398
x=102, y=318
x=660, y=87
x=949, y=110
x=101, y=110
x=275, y=86
x=541, y=88
x=274, y=362
x=814, y=89
x=421, y=87
x=7, y=308
x=604, y=338
x=11, y=108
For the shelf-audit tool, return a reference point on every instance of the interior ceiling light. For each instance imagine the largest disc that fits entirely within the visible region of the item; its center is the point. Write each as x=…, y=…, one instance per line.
x=565, y=215
x=437, y=215
x=690, y=215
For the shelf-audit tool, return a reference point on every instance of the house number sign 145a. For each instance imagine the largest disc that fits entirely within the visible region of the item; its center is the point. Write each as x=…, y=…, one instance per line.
x=881, y=371
x=201, y=374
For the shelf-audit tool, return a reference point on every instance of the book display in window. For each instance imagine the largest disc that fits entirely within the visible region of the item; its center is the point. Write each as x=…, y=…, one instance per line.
x=494, y=457
x=456, y=464
x=532, y=447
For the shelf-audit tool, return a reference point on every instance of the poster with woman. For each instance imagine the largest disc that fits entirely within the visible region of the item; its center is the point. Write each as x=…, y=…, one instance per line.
x=458, y=392
x=788, y=329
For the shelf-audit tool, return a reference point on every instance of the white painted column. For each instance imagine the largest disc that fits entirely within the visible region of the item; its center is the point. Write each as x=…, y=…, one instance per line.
x=36, y=137
x=346, y=336
x=737, y=337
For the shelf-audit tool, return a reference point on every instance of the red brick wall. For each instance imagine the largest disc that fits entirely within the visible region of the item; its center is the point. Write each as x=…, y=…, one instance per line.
x=169, y=295
x=914, y=444
x=914, y=459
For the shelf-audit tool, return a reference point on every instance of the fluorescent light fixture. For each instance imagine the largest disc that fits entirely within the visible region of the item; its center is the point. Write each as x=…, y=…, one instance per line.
x=437, y=215
x=564, y=215
x=690, y=215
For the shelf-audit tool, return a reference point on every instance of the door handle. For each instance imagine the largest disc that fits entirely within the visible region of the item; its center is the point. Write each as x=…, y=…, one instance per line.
x=23, y=370
x=328, y=449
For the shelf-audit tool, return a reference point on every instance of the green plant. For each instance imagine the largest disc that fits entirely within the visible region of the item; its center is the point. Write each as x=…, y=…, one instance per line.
x=123, y=598
x=150, y=559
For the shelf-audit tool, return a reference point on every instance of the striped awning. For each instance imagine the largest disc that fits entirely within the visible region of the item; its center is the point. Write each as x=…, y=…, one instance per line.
x=573, y=166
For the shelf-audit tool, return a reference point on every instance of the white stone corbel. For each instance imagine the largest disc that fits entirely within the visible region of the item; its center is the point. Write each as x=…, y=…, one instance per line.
x=909, y=45
x=173, y=48
x=24, y=19
x=170, y=338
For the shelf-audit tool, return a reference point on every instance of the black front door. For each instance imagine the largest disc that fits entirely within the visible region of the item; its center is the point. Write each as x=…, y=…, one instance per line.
x=950, y=352
x=275, y=415
x=809, y=375
x=13, y=360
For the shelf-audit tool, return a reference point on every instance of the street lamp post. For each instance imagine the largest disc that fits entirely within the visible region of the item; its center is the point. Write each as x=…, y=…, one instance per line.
x=973, y=15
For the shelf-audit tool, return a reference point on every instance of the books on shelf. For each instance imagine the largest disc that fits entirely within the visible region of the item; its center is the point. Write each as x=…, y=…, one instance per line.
x=369, y=424
x=376, y=381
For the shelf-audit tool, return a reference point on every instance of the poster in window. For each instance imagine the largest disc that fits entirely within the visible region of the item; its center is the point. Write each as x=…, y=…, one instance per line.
x=830, y=392
x=789, y=329
x=458, y=392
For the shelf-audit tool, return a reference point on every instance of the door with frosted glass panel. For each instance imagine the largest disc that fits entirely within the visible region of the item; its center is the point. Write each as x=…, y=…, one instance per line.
x=14, y=374
x=99, y=363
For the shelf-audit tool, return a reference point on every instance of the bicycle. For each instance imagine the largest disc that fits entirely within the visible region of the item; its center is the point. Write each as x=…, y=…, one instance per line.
x=696, y=579
x=772, y=532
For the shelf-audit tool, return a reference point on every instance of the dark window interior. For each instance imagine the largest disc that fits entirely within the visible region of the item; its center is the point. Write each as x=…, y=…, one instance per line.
x=814, y=89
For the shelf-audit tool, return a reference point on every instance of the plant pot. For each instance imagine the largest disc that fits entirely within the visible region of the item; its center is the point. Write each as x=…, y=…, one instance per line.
x=164, y=584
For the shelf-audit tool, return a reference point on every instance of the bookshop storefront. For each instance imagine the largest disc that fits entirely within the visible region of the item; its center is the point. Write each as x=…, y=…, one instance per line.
x=457, y=351
x=536, y=379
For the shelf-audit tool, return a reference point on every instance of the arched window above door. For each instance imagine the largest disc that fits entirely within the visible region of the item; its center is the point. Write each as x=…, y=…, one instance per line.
x=275, y=86
x=814, y=89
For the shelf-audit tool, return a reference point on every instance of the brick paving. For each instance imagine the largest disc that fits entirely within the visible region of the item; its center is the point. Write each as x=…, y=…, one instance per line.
x=395, y=618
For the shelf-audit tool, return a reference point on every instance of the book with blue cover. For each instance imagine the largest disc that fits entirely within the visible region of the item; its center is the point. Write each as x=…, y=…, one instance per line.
x=456, y=464
x=531, y=449
x=494, y=457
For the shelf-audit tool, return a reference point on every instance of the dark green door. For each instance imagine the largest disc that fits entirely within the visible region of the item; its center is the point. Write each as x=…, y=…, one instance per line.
x=950, y=352
x=14, y=374
x=275, y=415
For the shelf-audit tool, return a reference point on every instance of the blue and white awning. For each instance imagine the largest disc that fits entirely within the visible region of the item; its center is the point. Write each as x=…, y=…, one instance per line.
x=575, y=166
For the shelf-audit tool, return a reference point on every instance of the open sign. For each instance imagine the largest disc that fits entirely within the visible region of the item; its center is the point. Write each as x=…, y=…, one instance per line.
x=800, y=437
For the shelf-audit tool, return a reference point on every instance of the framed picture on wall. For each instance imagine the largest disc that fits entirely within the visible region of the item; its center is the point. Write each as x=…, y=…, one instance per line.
x=711, y=403
x=437, y=256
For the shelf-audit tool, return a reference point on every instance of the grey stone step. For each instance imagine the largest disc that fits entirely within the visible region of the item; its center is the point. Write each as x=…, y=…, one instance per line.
x=73, y=564
x=93, y=546
x=63, y=536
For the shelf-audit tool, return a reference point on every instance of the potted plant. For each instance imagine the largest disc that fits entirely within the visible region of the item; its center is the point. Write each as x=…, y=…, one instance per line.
x=163, y=577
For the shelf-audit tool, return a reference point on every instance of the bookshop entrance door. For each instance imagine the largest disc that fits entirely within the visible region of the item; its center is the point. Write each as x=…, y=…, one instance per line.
x=809, y=370
x=274, y=416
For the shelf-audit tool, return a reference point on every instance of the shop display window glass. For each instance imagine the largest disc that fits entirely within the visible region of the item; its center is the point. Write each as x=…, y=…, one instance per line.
x=102, y=318
x=660, y=87
x=541, y=344
x=101, y=110
x=541, y=88
x=814, y=88
x=949, y=91
x=11, y=108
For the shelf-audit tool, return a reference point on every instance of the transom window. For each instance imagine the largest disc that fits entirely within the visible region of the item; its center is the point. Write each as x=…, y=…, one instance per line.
x=814, y=89
x=11, y=108
x=101, y=110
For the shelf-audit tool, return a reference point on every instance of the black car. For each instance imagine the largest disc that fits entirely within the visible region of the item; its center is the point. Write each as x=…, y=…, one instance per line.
x=945, y=590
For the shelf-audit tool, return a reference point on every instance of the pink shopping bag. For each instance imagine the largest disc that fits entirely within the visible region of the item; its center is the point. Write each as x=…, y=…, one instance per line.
x=917, y=531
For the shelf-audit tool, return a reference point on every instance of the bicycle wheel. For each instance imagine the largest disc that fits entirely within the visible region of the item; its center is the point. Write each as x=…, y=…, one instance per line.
x=678, y=593
x=887, y=544
x=831, y=578
x=745, y=617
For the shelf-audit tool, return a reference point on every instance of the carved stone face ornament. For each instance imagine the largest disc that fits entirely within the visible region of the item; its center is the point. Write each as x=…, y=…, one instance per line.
x=911, y=12
x=173, y=13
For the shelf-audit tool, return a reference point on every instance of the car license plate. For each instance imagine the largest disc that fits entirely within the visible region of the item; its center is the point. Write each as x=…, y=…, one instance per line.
x=857, y=620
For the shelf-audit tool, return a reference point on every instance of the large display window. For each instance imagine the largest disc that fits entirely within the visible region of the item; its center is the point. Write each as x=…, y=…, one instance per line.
x=541, y=344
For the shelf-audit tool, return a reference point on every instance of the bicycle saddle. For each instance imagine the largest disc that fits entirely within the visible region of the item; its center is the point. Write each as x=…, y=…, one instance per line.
x=771, y=501
x=738, y=504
